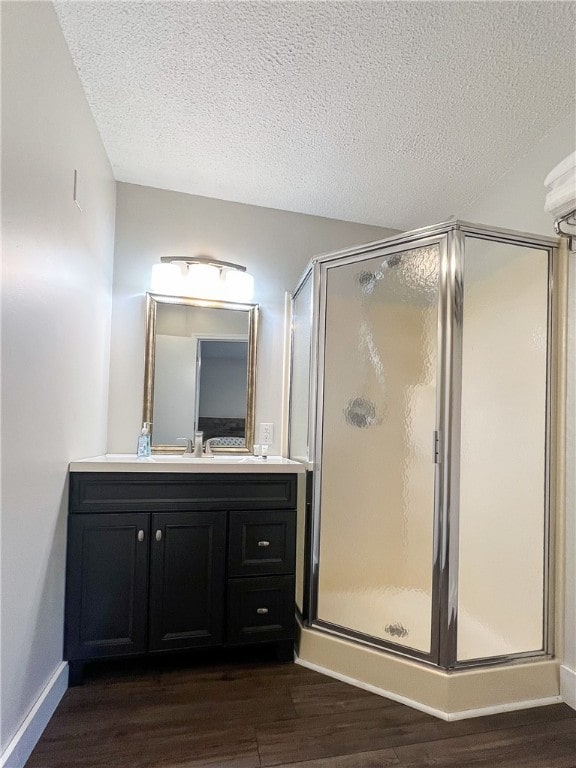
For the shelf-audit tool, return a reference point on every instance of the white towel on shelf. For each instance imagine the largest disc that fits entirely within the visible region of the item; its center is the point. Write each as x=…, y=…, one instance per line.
x=561, y=184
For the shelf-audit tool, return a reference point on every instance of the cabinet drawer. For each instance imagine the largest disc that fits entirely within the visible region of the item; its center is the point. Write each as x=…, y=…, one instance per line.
x=262, y=542
x=179, y=492
x=260, y=609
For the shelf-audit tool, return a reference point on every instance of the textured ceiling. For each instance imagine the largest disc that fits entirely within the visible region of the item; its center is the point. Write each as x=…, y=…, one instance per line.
x=389, y=113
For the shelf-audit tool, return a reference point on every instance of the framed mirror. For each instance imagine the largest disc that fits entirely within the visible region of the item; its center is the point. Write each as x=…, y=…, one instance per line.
x=200, y=372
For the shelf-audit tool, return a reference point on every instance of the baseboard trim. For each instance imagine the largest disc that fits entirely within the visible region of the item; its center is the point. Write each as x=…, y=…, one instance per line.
x=448, y=716
x=513, y=706
x=568, y=686
x=371, y=688
x=20, y=747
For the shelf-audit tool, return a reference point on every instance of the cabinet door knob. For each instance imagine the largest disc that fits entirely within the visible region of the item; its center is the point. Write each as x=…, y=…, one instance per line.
x=158, y=535
x=262, y=611
x=263, y=543
x=140, y=535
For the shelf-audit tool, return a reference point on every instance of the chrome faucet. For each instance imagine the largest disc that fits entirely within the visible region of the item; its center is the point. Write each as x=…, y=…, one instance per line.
x=208, y=447
x=193, y=446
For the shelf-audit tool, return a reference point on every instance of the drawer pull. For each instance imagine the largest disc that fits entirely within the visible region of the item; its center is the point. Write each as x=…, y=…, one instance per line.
x=158, y=535
x=140, y=535
x=262, y=611
x=263, y=543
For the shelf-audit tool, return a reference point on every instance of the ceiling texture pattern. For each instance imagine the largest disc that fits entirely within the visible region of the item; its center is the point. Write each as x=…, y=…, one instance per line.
x=389, y=113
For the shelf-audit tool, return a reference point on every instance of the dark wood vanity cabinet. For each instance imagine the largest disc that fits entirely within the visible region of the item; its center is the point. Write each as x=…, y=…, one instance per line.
x=164, y=562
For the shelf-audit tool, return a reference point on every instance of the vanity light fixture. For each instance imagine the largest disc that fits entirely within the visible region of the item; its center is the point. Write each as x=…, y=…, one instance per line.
x=202, y=277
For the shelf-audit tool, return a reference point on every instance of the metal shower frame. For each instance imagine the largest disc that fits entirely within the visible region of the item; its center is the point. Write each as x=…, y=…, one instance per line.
x=449, y=237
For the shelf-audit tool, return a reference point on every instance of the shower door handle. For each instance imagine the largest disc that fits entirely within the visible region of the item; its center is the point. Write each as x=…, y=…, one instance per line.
x=437, y=447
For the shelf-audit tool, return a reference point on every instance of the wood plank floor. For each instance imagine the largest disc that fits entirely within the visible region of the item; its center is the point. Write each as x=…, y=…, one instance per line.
x=246, y=714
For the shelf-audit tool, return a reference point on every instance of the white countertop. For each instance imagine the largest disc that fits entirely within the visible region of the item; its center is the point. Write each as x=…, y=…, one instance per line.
x=221, y=463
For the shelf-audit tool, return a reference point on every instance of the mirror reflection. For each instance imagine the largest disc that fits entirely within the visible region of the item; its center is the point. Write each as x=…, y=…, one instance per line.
x=200, y=368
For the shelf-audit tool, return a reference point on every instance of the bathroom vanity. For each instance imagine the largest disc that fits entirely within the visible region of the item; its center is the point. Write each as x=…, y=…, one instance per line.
x=171, y=554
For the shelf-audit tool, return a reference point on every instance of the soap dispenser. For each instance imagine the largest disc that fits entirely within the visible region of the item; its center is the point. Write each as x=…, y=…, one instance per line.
x=144, y=448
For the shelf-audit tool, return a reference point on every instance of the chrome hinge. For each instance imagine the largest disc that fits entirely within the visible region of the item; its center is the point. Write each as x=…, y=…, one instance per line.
x=437, y=447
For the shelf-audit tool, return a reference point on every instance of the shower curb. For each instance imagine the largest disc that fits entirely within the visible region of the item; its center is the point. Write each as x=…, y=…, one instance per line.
x=440, y=714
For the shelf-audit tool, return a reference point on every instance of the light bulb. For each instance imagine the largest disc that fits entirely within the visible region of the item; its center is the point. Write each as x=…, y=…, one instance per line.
x=166, y=278
x=239, y=286
x=203, y=281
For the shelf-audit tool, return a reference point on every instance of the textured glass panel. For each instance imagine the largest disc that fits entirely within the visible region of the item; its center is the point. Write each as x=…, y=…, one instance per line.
x=300, y=373
x=299, y=411
x=502, y=470
x=377, y=484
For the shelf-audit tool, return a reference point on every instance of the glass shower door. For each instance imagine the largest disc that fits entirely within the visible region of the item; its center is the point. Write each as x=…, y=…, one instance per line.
x=299, y=437
x=301, y=339
x=376, y=535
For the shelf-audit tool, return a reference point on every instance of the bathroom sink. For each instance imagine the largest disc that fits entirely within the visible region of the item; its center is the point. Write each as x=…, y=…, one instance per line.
x=218, y=459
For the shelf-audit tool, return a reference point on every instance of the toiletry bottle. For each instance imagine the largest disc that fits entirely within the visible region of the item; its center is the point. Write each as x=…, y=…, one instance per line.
x=144, y=449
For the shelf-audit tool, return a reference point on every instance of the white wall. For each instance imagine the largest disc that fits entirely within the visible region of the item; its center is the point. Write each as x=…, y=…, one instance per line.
x=275, y=247
x=56, y=303
x=174, y=388
x=517, y=202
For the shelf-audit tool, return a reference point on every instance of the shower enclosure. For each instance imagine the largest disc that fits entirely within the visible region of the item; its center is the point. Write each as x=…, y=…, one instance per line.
x=421, y=395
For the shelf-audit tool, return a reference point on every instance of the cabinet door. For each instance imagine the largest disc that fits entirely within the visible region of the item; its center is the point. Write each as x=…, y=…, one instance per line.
x=107, y=585
x=187, y=579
